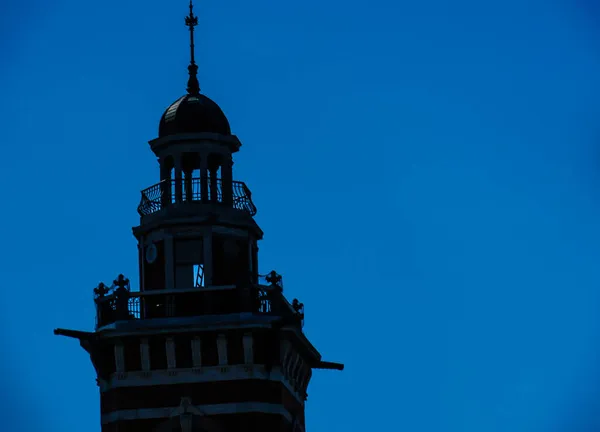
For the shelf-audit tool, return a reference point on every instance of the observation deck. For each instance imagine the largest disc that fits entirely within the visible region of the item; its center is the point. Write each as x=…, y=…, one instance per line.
x=119, y=303
x=206, y=190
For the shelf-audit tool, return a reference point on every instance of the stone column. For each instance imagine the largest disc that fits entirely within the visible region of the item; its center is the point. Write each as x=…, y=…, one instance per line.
x=119, y=358
x=297, y=374
x=252, y=268
x=204, y=177
x=170, y=347
x=292, y=371
x=178, y=179
x=304, y=381
x=227, y=179
x=145, y=354
x=214, y=186
x=189, y=194
x=196, y=352
x=248, y=342
x=222, y=349
x=166, y=187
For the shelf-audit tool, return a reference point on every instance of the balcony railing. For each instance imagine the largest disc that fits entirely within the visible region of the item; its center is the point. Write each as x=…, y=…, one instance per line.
x=121, y=304
x=205, y=190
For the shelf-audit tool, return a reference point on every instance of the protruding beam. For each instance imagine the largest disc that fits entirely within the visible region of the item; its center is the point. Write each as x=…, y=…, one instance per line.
x=76, y=334
x=329, y=365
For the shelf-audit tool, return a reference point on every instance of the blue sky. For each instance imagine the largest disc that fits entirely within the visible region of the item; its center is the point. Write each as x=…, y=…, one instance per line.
x=427, y=176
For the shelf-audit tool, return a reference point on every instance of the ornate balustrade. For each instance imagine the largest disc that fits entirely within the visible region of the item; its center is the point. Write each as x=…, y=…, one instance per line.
x=119, y=303
x=166, y=192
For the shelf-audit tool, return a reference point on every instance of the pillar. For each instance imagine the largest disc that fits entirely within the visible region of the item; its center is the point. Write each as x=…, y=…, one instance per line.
x=170, y=347
x=178, y=180
x=204, y=177
x=165, y=185
x=189, y=193
x=196, y=352
x=142, y=263
x=119, y=358
x=214, y=186
x=222, y=349
x=248, y=349
x=255, y=262
x=145, y=354
x=227, y=179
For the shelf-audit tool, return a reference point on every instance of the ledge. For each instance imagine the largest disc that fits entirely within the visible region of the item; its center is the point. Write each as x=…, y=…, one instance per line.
x=202, y=323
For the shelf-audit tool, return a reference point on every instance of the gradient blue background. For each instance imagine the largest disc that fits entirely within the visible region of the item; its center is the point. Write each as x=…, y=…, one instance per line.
x=427, y=176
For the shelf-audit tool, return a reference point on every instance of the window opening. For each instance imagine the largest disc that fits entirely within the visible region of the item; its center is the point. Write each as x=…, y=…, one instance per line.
x=198, y=275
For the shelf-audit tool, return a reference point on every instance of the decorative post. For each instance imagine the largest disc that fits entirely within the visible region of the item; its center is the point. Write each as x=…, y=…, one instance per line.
x=276, y=291
x=103, y=308
x=122, y=297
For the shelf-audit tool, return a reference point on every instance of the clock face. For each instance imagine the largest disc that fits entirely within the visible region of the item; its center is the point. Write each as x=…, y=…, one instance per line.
x=151, y=253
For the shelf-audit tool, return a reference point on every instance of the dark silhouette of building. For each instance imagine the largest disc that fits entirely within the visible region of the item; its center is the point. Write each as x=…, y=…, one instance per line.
x=207, y=343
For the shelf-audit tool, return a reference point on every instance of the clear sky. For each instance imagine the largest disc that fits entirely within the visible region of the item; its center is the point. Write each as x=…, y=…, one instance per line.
x=426, y=172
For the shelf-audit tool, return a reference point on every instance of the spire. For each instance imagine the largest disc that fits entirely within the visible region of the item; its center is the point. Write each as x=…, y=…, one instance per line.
x=192, y=21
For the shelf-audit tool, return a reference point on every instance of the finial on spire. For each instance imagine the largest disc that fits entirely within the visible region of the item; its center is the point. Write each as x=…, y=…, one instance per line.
x=192, y=21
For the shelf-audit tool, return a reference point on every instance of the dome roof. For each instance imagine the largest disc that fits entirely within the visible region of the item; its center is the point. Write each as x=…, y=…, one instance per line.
x=193, y=113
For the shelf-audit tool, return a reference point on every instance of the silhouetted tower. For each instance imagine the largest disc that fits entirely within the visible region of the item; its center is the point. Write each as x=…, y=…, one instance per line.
x=207, y=343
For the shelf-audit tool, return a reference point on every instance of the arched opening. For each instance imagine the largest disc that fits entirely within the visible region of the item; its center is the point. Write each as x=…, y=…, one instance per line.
x=190, y=164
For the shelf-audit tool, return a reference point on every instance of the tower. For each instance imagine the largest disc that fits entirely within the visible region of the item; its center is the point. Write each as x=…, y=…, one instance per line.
x=207, y=343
